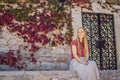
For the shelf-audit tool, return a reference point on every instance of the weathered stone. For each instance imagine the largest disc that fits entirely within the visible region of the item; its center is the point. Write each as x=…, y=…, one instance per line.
x=4, y=67
x=58, y=51
x=3, y=42
x=48, y=66
x=64, y=66
x=38, y=75
x=62, y=58
x=1, y=78
x=46, y=59
x=4, y=49
x=54, y=75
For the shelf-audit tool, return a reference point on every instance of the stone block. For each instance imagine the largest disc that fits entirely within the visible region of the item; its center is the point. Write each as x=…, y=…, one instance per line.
x=38, y=75
x=48, y=66
x=4, y=49
x=3, y=42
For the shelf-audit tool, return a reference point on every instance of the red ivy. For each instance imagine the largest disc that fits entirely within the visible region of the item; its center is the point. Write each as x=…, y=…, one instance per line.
x=30, y=31
x=15, y=59
x=10, y=59
x=6, y=18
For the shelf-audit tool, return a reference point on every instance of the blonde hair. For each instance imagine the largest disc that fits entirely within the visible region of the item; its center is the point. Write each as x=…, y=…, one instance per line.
x=85, y=41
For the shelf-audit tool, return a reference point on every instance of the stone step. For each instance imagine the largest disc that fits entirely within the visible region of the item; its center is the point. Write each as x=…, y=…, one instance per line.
x=38, y=75
x=54, y=75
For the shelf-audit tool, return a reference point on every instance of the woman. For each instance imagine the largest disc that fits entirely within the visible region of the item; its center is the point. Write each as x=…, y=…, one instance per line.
x=87, y=70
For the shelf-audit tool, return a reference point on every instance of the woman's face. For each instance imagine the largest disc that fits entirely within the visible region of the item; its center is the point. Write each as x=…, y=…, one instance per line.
x=81, y=33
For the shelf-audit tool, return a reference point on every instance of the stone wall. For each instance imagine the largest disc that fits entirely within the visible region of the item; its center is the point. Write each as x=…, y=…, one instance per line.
x=46, y=58
x=59, y=58
x=117, y=37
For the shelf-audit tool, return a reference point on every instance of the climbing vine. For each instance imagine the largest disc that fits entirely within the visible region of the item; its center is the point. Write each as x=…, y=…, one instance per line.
x=35, y=21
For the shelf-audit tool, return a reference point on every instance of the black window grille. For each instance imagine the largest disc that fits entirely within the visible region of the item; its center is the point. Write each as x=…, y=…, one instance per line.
x=101, y=37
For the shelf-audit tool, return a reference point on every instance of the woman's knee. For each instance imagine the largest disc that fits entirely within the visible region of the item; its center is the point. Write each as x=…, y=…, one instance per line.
x=92, y=62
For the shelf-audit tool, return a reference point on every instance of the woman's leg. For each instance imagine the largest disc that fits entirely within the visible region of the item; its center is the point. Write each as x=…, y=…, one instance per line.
x=80, y=69
x=92, y=71
x=82, y=73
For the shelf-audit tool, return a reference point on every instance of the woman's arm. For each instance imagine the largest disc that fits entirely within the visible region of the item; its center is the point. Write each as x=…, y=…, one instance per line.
x=74, y=51
x=87, y=53
x=87, y=56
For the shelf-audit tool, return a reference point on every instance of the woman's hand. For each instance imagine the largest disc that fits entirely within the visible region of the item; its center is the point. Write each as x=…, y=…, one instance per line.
x=85, y=63
x=86, y=60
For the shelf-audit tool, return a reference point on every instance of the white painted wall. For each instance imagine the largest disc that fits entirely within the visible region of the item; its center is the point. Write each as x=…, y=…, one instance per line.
x=77, y=19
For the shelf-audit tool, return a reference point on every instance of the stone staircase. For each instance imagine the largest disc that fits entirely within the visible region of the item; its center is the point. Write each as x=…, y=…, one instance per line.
x=54, y=75
x=38, y=75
